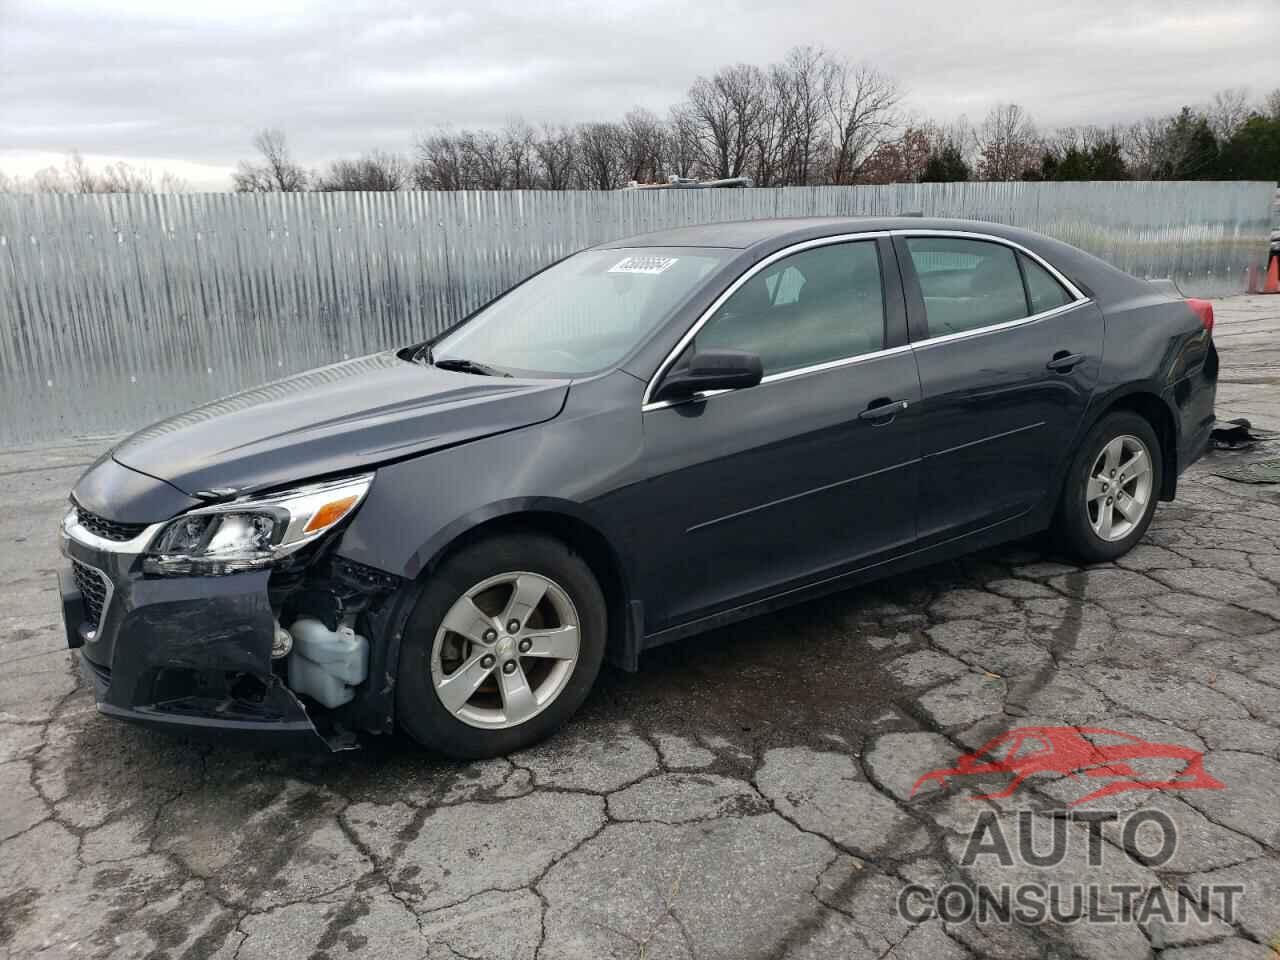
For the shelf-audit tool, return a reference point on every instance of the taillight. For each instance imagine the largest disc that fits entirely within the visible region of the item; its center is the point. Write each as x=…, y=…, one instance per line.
x=1204, y=310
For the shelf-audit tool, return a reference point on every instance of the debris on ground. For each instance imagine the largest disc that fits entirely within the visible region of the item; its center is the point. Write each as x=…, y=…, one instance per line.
x=1260, y=471
x=1238, y=434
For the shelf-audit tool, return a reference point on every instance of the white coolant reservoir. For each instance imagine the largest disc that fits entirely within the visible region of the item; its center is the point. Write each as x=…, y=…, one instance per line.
x=326, y=664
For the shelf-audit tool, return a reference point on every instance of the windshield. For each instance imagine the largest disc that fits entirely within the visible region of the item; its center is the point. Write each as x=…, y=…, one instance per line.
x=583, y=314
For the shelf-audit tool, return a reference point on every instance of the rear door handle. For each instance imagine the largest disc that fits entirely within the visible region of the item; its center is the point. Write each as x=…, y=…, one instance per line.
x=1062, y=361
x=883, y=411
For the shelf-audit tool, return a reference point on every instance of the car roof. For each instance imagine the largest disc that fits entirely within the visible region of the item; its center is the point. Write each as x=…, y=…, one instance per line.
x=760, y=238
x=743, y=234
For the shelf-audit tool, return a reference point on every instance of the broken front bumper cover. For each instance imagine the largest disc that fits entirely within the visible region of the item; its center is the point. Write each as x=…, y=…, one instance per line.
x=188, y=655
x=286, y=726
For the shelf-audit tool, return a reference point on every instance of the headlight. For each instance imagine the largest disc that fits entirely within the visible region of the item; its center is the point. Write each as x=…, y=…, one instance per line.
x=254, y=532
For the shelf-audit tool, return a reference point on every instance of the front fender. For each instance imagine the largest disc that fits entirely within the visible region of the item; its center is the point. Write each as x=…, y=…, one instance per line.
x=390, y=620
x=435, y=546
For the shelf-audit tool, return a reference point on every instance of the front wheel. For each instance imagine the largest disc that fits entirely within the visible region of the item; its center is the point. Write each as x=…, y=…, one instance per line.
x=1111, y=489
x=502, y=648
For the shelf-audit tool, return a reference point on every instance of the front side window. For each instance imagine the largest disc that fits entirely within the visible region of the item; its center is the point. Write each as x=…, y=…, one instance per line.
x=582, y=315
x=967, y=284
x=812, y=307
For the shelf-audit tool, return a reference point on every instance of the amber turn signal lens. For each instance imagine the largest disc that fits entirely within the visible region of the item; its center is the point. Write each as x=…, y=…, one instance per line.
x=330, y=513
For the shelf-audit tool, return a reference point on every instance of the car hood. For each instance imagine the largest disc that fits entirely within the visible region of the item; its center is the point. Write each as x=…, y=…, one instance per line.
x=346, y=416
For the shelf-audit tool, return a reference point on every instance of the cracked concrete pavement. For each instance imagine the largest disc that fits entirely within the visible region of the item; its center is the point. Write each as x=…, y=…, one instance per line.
x=747, y=794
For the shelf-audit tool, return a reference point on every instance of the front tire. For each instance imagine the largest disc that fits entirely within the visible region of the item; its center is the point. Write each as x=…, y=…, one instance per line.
x=1111, y=490
x=502, y=648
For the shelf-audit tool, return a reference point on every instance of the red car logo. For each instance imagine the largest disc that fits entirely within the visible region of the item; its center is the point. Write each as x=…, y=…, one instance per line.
x=1078, y=752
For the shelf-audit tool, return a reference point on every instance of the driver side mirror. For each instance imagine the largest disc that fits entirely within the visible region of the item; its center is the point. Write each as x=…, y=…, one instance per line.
x=712, y=370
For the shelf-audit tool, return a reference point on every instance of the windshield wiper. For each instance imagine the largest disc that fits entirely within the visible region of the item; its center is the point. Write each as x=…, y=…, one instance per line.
x=467, y=366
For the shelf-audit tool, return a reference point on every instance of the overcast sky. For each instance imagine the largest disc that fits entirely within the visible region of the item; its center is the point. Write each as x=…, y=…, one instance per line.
x=182, y=85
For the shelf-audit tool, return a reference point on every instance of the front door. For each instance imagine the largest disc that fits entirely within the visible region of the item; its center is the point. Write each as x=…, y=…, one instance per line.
x=760, y=489
x=1008, y=360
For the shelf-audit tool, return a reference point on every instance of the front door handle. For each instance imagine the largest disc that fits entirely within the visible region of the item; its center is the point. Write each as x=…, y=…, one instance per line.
x=883, y=411
x=1062, y=361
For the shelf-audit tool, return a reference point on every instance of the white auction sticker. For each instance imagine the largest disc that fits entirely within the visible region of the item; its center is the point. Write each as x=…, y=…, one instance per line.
x=643, y=265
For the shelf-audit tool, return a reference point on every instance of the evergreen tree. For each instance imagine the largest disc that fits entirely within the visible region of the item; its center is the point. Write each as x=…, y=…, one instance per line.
x=946, y=165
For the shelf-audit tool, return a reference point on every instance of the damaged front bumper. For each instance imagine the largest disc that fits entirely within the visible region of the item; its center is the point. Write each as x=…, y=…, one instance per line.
x=184, y=654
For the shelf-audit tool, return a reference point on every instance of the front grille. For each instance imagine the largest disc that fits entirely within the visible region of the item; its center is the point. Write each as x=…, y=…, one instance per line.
x=108, y=529
x=93, y=589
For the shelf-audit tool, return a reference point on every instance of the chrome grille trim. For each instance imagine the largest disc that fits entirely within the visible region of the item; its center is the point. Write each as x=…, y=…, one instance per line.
x=73, y=529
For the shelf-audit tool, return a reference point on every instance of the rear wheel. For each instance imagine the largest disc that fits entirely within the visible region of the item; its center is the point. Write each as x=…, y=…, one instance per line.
x=502, y=648
x=1112, y=487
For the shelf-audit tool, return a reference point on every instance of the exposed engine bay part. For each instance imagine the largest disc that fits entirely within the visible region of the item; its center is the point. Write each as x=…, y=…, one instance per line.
x=281, y=643
x=327, y=665
x=328, y=612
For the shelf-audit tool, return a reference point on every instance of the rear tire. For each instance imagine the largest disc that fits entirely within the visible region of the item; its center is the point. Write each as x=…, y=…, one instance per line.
x=1111, y=489
x=470, y=687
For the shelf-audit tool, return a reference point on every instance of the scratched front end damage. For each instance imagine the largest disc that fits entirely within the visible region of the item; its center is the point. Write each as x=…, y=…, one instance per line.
x=276, y=657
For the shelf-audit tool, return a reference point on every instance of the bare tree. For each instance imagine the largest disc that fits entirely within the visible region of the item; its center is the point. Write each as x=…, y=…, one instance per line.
x=862, y=111
x=774, y=130
x=556, y=153
x=172, y=183
x=484, y=160
x=438, y=162
x=49, y=180
x=275, y=173
x=1271, y=104
x=76, y=176
x=375, y=171
x=1227, y=112
x=682, y=141
x=119, y=177
x=521, y=161
x=644, y=147
x=1008, y=144
x=725, y=111
x=601, y=155
x=80, y=179
x=800, y=84
x=1143, y=146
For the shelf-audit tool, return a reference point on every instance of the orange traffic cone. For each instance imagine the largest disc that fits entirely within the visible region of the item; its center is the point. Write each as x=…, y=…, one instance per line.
x=1273, y=277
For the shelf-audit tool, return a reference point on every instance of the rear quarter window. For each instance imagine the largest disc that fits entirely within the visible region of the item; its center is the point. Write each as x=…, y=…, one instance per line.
x=1044, y=292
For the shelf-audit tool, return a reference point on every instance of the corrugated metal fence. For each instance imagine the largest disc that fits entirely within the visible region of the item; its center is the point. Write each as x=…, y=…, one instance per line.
x=117, y=310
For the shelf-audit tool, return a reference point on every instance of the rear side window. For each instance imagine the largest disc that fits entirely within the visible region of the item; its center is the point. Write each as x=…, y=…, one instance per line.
x=812, y=307
x=967, y=284
x=1044, y=292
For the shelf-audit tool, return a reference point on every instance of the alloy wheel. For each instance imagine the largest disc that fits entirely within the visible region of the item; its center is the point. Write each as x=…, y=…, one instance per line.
x=505, y=650
x=1119, y=488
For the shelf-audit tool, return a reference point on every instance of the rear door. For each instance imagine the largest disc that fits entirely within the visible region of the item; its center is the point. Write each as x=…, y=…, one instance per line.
x=1009, y=353
x=757, y=490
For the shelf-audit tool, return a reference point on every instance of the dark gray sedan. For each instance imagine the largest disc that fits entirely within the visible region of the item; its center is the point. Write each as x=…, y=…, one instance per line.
x=647, y=439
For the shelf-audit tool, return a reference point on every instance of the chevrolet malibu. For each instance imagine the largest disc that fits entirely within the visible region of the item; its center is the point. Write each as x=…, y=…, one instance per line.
x=648, y=439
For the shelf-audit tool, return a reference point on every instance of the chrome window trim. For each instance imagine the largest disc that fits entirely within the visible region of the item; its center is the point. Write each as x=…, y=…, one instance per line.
x=1079, y=298
x=785, y=375
x=72, y=530
x=996, y=327
x=647, y=403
